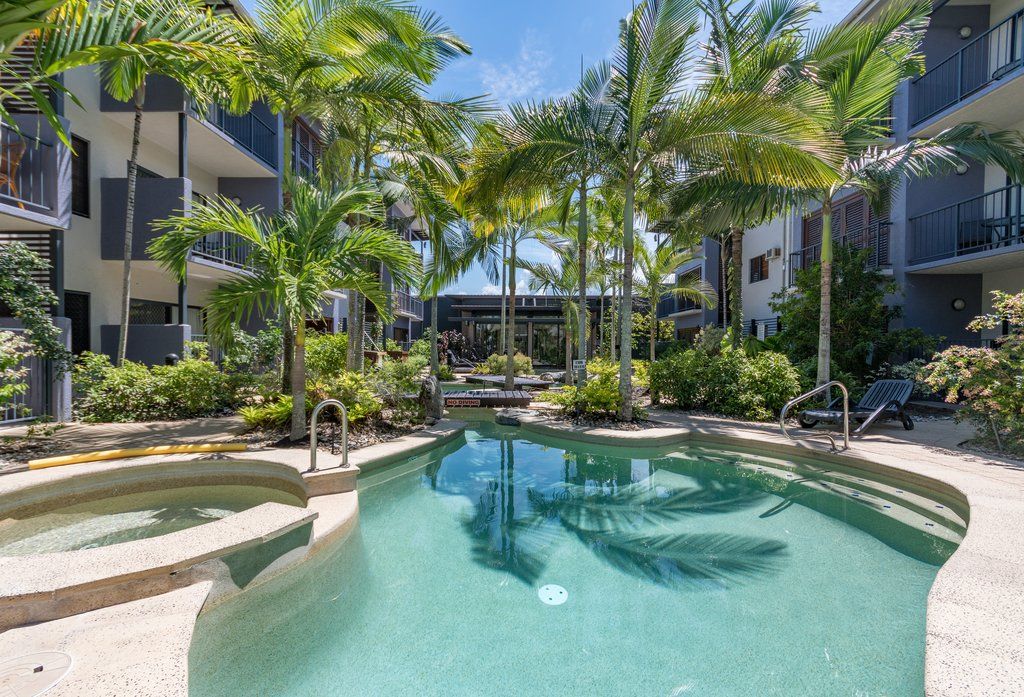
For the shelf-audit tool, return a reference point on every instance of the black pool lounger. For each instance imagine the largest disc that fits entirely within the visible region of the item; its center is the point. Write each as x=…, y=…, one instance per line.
x=886, y=399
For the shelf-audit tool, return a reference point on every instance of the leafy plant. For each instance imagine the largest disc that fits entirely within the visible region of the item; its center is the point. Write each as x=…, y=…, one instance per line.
x=325, y=355
x=270, y=415
x=598, y=395
x=728, y=382
x=354, y=390
x=13, y=351
x=988, y=381
x=495, y=365
x=257, y=353
x=860, y=337
x=29, y=302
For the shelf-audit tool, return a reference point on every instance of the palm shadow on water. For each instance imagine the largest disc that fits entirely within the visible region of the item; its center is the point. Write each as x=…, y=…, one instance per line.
x=631, y=526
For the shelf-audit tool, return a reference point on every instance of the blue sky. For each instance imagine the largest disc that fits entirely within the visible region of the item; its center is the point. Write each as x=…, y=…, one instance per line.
x=531, y=49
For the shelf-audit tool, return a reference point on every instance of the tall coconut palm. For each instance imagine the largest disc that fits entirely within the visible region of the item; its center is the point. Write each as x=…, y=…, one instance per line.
x=658, y=263
x=753, y=48
x=662, y=131
x=857, y=70
x=563, y=143
x=296, y=257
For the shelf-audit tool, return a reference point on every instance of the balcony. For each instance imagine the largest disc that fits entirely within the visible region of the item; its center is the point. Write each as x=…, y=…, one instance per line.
x=250, y=132
x=222, y=248
x=874, y=237
x=155, y=199
x=977, y=228
x=406, y=304
x=35, y=177
x=988, y=59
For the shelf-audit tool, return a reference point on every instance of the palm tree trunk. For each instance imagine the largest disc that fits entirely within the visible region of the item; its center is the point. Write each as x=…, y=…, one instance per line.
x=298, y=387
x=584, y=321
x=654, y=323
x=350, y=348
x=569, y=377
x=501, y=330
x=626, y=310
x=736, y=299
x=510, y=331
x=614, y=310
x=600, y=324
x=825, y=318
x=360, y=333
x=287, y=332
x=129, y=227
x=435, y=363
x=724, y=282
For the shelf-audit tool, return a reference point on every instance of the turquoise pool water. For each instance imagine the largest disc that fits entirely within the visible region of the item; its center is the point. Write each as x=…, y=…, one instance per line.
x=685, y=572
x=129, y=517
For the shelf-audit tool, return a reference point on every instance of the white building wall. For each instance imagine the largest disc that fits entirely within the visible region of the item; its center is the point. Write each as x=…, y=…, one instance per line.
x=758, y=241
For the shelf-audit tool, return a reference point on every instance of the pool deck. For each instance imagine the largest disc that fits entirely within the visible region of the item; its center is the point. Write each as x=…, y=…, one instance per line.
x=975, y=607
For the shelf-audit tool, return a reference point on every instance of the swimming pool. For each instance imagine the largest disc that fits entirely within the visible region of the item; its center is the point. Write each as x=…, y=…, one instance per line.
x=501, y=565
x=113, y=519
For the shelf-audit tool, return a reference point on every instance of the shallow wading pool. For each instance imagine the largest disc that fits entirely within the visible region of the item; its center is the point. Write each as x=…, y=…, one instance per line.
x=114, y=519
x=500, y=565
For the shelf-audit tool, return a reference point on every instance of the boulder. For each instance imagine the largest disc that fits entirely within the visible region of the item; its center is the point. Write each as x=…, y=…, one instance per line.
x=432, y=400
x=513, y=416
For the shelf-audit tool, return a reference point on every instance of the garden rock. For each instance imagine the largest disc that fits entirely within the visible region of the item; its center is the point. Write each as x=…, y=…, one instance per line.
x=512, y=417
x=432, y=400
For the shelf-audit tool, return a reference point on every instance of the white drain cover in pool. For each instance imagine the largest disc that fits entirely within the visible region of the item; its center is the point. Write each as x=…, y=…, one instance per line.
x=33, y=674
x=552, y=594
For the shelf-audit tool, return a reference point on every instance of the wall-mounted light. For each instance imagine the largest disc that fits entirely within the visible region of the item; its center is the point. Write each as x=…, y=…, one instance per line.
x=961, y=169
x=237, y=200
x=959, y=304
x=965, y=32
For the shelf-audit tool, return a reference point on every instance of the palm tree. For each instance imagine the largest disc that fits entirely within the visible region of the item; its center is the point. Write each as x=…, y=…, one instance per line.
x=753, y=48
x=561, y=280
x=296, y=257
x=856, y=72
x=180, y=39
x=510, y=221
x=562, y=142
x=312, y=57
x=662, y=132
x=654, y=265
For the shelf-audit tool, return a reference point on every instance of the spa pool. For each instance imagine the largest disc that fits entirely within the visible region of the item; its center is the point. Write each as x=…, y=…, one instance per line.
x=114, y=519
x=500, y=565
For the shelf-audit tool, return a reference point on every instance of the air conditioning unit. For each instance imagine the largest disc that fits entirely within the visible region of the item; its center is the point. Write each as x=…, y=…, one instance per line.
x=774, y=253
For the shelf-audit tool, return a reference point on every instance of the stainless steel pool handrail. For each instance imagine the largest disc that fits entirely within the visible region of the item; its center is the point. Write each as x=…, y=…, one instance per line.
x=312, y=432
x=807, y=395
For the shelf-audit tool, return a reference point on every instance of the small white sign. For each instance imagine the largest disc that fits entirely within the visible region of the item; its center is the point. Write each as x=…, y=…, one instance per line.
x=579, y=365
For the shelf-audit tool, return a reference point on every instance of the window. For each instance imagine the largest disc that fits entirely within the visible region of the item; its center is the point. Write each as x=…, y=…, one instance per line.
x=306, y=149
x=80, y=176
x=759, y=268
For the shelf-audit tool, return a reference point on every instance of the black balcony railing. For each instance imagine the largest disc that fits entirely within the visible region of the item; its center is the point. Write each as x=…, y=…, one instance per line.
x=407, y=304
x=874, y=237
x=223, y=248
x=248, y=130
x=984, y=60
x=989, y=221
x=27, y=167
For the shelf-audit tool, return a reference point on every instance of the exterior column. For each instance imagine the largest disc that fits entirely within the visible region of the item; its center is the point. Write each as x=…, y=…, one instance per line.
x=183, y=173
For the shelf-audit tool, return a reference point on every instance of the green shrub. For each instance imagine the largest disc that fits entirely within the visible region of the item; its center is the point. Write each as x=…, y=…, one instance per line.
x=135, y=392
x=642, y=374
x=988, y=381
x=599, y=395
x=326, y=355
x=354, y=390
x=445, y=372
x=497, y=362
x=728, y=383
x=13, y=351
x=254, y=354
x=397, y=378
x=274, y=414
x=420, y=348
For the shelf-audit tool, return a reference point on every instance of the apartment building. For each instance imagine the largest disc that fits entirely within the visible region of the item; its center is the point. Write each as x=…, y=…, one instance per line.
x=71, y=207
x=948, y=240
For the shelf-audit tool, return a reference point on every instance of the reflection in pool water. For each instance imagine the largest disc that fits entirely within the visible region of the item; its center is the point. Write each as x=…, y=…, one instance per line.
x=117, y=519
x=691, y=572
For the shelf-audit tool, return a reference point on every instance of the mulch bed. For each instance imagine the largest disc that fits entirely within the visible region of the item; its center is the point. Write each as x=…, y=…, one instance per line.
x=360, y=435
x=605, y=422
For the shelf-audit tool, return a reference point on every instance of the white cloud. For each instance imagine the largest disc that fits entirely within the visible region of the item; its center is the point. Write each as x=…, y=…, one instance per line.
x=522, y=288
x=519, y=79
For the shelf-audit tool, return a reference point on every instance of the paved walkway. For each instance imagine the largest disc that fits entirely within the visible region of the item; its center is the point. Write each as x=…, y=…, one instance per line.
x=82, y=437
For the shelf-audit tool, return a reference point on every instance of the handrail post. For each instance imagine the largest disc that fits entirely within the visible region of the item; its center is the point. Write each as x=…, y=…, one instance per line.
x=312, y=432
x=807, y=395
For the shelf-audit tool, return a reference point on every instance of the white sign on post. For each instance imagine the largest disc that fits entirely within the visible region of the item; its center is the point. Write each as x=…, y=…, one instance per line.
x=578, y=365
